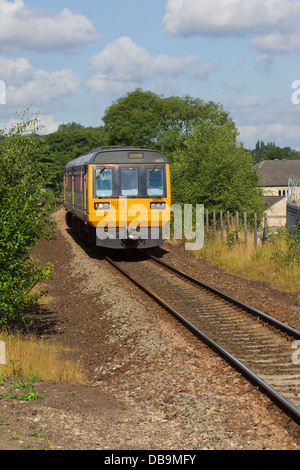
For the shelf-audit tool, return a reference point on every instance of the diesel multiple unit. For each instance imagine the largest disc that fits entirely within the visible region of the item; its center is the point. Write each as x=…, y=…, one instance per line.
x=118, y=197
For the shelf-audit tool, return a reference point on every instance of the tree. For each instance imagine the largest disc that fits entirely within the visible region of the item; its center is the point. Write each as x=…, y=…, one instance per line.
x=24, y=218
x=145, y=119
x=64, y=145
x=270, y=151
x=178, y=119
x=69, y=127
x=134, y=119
x=216, y=171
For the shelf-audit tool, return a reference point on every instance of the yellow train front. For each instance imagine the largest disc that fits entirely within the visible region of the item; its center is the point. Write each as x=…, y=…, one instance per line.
x=118, y=197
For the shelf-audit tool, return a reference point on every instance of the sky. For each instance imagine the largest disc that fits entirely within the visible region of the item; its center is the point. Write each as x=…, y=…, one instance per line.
x=69, y=61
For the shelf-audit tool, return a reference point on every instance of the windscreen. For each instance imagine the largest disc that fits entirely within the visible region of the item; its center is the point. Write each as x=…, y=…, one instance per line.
x=104, y=182
x=155, y=185
x=129, y=182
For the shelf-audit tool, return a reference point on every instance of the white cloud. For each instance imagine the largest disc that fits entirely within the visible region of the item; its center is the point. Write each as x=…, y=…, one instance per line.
x=101, y=84
x=266, y=117
x=265, y=61
x=27, y=86
x=278, y=42
x=46, y=121
x=23, y=27
x=123, y=64
x=253, y=101
x=229, y=17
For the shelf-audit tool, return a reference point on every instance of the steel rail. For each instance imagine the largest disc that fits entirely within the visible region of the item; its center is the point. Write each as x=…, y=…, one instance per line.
x=289, y=407
x=272, y=321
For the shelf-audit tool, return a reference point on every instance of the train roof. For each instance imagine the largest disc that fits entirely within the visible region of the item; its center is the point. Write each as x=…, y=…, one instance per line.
x=114, y=155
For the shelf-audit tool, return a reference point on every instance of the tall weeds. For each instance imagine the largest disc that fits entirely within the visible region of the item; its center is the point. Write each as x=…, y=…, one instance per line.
x=276, y=261
x=27, y=356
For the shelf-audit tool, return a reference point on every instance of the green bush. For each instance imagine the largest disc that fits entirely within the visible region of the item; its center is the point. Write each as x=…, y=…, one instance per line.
x=24, y=218
x=290, y=255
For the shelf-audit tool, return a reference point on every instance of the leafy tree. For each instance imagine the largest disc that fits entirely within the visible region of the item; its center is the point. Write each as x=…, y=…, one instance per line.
x=64, y=145
x=216, y=171
x=49, y=166
x=145, y=119
x=24, y=218
x=69, y=127
x=270, y=151
x=134, y=119
x=178, y=119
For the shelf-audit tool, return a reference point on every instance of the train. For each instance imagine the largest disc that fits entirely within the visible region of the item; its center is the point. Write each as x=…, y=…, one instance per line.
x=118, y=197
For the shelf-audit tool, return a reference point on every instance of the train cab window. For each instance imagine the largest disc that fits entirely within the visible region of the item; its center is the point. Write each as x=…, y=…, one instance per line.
x=129, y=182
x=155, y=185
x=104, y=182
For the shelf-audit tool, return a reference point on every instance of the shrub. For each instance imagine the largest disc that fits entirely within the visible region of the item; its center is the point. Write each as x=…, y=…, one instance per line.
x=290, y=256
x=24, y=218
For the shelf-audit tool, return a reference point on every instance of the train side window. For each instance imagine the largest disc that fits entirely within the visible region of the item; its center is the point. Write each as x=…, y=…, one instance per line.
x=104, y=182
x=69, y=180
x=129, y=182
x=155, y=182
x=77, y=181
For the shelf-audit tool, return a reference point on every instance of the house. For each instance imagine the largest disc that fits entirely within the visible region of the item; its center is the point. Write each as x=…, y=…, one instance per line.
x=274, y=177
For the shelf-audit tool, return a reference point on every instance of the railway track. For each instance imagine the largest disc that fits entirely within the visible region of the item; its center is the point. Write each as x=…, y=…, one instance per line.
x=258, y=345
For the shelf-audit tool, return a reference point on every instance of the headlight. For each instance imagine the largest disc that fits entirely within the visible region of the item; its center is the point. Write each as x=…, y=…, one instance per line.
x=104, y=206
x=157, y=205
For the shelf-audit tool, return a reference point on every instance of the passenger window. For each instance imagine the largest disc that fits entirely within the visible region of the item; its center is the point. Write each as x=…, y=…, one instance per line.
x=155, y=186
x=129, y=182
x=104, y=182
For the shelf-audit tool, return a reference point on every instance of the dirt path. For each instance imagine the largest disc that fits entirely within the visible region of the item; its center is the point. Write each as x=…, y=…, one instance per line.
x=153, y=386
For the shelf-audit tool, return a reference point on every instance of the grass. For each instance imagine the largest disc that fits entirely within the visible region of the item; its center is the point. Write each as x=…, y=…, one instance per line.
x=276, y=261
x=27, y=357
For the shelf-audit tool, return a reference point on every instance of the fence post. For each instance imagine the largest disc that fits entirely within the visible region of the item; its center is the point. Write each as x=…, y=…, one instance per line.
x=255, y=230
x=264, y=238
x=221, y=225
x=228, y=224
x=245, y=229
x=237, y=225
x=214, y=224
x=207, y=222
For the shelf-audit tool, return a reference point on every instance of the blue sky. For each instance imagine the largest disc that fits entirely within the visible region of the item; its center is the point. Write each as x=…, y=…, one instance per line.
x=69, y=60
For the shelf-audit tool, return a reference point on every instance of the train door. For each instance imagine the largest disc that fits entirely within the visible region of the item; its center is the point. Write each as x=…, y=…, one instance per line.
x=73, y=189
x=85, y=192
